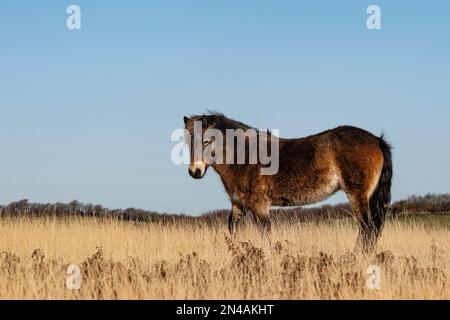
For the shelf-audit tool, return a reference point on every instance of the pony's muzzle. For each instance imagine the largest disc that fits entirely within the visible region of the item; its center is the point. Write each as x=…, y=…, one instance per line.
x=196, y=173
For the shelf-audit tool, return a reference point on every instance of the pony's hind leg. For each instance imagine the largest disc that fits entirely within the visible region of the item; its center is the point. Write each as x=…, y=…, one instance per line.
x=263, y=223
x=368, y=235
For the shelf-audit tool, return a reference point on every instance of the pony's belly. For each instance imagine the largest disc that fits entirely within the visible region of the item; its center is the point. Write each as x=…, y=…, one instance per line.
x=298, y=196
x=301, y=200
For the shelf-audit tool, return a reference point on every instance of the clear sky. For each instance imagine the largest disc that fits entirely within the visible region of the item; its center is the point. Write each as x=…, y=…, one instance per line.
x=87, y=114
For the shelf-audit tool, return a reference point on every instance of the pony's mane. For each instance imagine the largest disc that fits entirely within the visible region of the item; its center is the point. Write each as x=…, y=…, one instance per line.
x=218, y=121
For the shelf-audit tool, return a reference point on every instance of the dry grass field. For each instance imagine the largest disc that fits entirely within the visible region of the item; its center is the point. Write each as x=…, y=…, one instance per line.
x=130, y=260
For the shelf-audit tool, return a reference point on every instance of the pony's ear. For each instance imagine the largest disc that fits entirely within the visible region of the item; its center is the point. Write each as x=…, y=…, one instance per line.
x=186, y=119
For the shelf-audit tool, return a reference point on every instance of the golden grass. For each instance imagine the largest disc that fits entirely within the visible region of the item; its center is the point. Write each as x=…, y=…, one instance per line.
x=125, y=260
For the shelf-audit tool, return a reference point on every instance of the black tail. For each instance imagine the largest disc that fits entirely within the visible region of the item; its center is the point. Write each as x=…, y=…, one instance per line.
x=381, y=198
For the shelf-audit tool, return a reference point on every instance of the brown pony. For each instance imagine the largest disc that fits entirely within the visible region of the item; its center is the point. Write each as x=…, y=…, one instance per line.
x=311, y=169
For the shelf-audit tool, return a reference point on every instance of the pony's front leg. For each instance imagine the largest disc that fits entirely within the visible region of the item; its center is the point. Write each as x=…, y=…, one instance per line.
x=262, y=218
x=263, y=223
x=237, y=211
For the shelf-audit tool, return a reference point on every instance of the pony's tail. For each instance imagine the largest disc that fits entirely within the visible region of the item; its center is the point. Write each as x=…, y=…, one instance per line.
x=381, y=198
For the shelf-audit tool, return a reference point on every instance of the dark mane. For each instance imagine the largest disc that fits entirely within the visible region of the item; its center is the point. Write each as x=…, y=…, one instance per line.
x=219, y=121
x=216, y=120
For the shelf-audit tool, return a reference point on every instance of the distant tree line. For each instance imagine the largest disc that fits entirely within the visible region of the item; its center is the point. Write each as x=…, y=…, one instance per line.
x=427, y=204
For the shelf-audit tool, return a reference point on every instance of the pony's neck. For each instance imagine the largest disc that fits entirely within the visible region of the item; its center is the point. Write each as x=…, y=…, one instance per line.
x=223, y=169
x=230, y=173
x=227, y=172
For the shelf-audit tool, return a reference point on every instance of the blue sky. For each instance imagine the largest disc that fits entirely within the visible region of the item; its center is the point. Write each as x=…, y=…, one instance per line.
x=87, y=114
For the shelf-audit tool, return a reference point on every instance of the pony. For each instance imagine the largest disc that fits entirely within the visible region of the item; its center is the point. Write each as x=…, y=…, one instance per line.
x=310, y=170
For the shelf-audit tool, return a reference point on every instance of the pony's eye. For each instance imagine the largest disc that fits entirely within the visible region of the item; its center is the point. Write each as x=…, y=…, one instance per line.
x=206, y=142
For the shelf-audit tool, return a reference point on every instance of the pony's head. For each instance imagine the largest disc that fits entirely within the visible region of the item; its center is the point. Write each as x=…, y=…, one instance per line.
x=202, y=141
